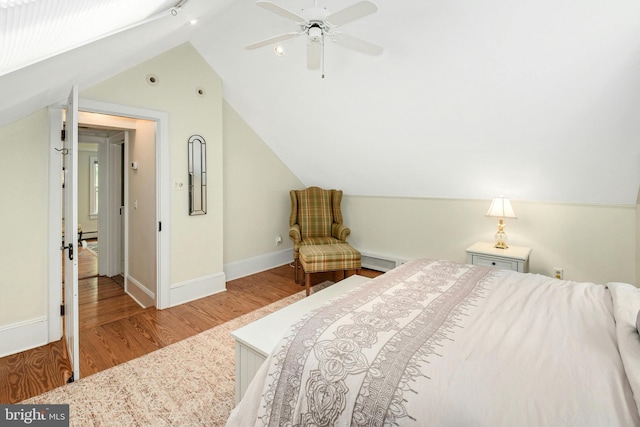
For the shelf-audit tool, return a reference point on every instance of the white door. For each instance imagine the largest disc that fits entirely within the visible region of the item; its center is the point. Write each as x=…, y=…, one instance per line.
x=70, y=253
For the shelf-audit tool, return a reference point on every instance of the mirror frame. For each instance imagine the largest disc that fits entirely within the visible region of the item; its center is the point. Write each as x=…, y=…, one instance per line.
x=197, y=175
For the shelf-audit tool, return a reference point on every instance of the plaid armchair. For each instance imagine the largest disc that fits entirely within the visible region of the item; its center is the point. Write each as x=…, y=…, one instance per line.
x=316, y=219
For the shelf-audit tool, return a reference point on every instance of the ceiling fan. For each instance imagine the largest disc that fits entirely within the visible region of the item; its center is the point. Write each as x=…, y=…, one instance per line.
x=317, y=24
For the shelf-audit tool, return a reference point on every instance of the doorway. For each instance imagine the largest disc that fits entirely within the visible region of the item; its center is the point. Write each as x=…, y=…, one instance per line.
x=101, y=281
x=101, y=200
x=122, y=116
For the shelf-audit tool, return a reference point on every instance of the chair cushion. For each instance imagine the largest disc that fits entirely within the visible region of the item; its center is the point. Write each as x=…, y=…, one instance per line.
x=320, y=240
x=340, y=256
x=314, y=213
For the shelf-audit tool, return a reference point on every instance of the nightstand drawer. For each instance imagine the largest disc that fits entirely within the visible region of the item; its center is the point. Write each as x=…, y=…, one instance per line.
x=494, y=262
x=514, y=258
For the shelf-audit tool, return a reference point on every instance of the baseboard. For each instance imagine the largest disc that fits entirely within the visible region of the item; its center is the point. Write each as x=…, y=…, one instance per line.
x=140, y=294
x=197, y=288
x=246, y=267
x=23, y=336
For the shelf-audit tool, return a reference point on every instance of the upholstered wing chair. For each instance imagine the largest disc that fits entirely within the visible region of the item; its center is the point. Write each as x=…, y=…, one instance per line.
x=316, y=219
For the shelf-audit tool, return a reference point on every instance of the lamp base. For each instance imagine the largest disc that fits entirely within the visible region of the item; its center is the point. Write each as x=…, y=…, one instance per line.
x=501, y=245
x=501, y=237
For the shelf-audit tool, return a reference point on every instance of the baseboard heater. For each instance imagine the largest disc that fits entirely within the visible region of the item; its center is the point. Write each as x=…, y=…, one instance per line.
x=380, y=262
x=89, y=234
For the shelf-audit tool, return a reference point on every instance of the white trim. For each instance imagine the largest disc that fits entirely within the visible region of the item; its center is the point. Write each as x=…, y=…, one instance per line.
x=93, y=190
x=246, y=267
x=25, y=335
x=114, y=218
x=140, y=294
x=197, y=288
x=54, y=268
x=104, y=183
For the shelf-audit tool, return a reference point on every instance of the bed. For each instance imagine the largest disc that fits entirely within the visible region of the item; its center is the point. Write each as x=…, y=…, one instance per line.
x=446, y=344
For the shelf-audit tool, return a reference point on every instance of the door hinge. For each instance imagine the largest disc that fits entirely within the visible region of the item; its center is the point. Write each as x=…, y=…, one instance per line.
x=63, y=135
x=61, y=309
x=159, y=225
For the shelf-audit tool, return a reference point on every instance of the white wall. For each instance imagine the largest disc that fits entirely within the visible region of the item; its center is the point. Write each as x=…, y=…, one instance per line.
x=590, y=242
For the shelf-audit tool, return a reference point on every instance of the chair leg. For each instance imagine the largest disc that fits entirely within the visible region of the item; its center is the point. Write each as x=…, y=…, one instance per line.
x=307, y=281
x=296, y=267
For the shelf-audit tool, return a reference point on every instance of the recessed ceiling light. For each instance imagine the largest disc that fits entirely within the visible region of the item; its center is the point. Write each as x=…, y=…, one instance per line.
x=193, y=21
x=278, y=50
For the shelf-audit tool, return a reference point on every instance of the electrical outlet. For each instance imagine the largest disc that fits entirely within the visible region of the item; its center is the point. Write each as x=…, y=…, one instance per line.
x=278, y=240
x=558, y=273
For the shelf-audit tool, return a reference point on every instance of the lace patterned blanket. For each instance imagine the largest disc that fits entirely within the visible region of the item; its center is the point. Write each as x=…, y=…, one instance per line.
x=423, y=343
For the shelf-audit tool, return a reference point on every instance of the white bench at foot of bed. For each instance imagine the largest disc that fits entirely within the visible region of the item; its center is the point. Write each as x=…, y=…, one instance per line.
x=255, y=341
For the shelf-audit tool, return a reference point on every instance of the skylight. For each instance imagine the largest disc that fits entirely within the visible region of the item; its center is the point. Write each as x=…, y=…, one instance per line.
x=34, y=30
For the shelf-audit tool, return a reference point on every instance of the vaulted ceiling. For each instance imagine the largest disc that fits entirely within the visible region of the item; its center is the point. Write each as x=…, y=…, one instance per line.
x=532, y=100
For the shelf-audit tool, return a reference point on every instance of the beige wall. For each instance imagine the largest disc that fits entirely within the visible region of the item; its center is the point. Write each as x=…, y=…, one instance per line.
x=196, y=241
x=638, y=239
x=24, y=218
x=256, y=193
x=590, y=242
x=85, y=151
x=141, y=205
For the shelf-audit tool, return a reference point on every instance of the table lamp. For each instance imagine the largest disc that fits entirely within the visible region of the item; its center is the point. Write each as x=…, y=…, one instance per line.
x=501, y=208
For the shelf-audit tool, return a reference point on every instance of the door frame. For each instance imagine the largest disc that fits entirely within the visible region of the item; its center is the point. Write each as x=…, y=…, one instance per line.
x=112, y=194
x=163, y=207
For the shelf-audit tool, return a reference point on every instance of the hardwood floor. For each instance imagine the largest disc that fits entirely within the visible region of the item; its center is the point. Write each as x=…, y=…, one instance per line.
x=115, y=329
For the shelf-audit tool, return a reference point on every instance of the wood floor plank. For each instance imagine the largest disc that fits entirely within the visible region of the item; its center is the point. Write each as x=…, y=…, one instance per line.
x=114, y=329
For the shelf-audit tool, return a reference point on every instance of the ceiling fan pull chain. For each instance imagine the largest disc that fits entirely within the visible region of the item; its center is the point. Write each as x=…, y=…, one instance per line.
x=322, y=57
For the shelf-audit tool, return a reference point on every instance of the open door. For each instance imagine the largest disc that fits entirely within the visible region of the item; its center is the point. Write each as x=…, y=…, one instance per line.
x=70, y=252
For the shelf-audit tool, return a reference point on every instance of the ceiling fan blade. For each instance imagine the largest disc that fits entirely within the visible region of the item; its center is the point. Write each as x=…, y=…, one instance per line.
x=356, y=43
x=279, y=10
x=314, y=55
x=351, y=13
x=272, y=40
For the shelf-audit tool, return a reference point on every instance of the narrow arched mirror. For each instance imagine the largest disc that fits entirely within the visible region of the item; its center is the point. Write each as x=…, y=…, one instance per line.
x=197, y=175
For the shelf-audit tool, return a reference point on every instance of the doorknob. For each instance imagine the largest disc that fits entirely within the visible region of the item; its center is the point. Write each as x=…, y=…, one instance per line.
x=70, y=247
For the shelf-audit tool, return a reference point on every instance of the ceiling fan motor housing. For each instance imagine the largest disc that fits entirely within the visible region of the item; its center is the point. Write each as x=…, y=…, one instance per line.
x=315, y=33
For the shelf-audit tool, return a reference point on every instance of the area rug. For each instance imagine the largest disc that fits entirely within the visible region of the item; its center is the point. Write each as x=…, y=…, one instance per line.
x=189, y=383
x=93, y=248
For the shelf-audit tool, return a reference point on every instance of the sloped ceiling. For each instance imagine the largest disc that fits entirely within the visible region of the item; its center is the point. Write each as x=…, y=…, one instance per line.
x=535, y=101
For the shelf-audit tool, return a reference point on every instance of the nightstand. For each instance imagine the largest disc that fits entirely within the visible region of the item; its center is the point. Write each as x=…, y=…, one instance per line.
x=514, y=258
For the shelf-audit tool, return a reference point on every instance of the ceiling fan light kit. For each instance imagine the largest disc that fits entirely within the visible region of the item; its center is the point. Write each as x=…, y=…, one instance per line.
x=318, y=23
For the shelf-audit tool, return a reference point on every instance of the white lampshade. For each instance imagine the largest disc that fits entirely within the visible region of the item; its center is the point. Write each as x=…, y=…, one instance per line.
x=501, y=208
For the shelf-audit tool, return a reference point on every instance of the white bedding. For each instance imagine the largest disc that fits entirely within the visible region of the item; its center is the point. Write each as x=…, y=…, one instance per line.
x=444, y=344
